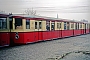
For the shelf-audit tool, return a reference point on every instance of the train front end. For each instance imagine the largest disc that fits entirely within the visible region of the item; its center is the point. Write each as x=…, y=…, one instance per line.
x=4, y=30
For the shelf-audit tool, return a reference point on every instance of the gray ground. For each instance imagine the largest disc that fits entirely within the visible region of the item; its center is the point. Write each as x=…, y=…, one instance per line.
x=47, y=49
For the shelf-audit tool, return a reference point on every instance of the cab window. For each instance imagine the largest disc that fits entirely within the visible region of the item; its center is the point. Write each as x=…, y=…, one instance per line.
x=3, y=23
x=18, y=23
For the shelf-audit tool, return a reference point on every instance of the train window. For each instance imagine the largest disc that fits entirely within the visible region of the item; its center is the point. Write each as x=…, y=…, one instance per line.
x=58, y=26
x=27, y=24
x=76, y=26
x=40, y=25
x=3, y=23
x=80, y=25
x=65, y=26
x=18, y=23
x=87, y=26
x=53, y=26
x=84, y=26
x=72, y=25
x=35, y=25
x=48, y=25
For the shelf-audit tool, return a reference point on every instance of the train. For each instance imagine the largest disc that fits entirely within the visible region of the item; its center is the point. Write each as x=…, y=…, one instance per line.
x=24, y=29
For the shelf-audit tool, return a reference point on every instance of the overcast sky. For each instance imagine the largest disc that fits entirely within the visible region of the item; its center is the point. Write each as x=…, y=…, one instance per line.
x=68, y=9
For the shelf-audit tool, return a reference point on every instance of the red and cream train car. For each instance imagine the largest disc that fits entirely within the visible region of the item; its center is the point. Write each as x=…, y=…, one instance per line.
x=28, y=29
x=24, y=29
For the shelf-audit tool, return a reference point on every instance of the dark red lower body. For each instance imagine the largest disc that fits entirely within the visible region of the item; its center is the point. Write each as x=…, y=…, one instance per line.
x=4, y=39
x=87, y=31
x=29, y=37
x=67, y=33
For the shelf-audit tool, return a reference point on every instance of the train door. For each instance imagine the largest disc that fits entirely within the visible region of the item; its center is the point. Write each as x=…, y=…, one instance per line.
x=47, y=34
x=53, y=29
x=72, y=27
x=38, y=31
x=60, y=29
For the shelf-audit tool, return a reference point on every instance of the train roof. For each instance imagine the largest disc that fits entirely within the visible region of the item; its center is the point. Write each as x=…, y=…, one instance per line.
x=46, y=18
x=41, y=17
x=4, y=14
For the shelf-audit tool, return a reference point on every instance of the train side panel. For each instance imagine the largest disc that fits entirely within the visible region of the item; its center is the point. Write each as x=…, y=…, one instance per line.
x=29, y=37
x=67, y=31
x=17, y=38
x=4, y=39
x=77, y=30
